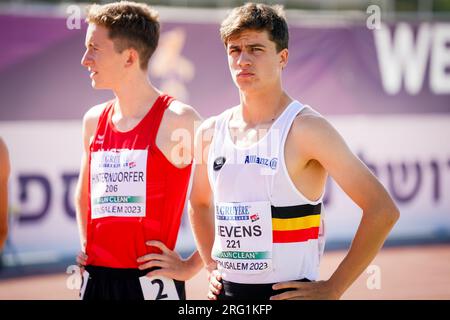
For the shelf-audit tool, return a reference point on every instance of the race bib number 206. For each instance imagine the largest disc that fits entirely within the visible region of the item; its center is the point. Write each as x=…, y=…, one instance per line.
x=118, y=183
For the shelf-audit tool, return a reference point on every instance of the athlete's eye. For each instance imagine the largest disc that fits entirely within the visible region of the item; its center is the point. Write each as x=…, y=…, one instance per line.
x=233, y=50
x=92, y=47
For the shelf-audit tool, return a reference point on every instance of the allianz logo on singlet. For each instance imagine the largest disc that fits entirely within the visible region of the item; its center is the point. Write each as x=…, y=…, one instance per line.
x=271, y=163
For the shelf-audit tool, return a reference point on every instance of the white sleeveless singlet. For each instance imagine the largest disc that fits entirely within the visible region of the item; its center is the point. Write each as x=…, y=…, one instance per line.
x=266, y=230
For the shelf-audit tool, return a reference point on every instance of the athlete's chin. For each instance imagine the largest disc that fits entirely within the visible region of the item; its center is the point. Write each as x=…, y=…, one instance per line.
x=245, y=85
x=241, y=82
x=98, y=85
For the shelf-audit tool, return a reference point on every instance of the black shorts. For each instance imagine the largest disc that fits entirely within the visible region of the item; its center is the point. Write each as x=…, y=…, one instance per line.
x=102, y=283
x=243, y=291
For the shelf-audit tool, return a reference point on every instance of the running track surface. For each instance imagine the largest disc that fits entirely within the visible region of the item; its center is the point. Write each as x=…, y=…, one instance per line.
x=421, y=272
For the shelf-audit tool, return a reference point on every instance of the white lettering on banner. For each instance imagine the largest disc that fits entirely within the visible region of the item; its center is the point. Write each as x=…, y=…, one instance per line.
x=403, y=57
x=440, y=59
x=115, y=190
x=400, y=58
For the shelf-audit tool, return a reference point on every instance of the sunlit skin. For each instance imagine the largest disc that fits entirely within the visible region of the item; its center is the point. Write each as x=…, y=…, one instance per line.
x=105, y=64
x=255, y=64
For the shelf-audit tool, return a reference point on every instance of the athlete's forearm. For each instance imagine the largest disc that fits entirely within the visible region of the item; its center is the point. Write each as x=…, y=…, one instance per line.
x=370, y=236
x=202, y=223
x=195, y=263
x=81, y=208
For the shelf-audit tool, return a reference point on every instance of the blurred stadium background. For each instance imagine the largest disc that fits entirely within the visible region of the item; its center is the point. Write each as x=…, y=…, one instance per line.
x=378, y=70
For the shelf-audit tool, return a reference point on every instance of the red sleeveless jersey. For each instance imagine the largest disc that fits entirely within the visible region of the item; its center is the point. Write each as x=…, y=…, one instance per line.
x=135, y=193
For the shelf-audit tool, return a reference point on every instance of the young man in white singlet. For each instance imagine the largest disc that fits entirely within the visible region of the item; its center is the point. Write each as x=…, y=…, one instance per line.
x=260, y=173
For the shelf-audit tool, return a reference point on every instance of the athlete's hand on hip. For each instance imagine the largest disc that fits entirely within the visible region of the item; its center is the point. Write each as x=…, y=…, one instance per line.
x=316, y=290
x=170, y=263
x=214, y=285
x=82, y=260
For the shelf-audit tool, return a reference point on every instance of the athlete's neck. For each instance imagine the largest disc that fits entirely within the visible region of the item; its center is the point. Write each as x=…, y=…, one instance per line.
x=135, y=97
x=263, y=107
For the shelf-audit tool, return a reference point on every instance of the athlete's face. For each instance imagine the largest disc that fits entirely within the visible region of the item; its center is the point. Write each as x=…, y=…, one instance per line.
x=254, y=62
x=105, y=64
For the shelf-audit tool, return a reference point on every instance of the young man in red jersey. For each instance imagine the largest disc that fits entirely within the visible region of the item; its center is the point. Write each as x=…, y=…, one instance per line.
x=132, y=186
x=257, y=197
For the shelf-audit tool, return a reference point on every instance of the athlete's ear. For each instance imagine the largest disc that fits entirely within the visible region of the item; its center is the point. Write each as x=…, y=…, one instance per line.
x=132, y=57
x=284, y=55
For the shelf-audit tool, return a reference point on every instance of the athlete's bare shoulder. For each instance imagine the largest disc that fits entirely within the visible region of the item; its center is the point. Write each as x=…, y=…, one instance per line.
x=208, y=126
x=314, y=133
x=309, y=121
x=205, y=133
x=182, y=115
x=93, y=114
x=90, y=121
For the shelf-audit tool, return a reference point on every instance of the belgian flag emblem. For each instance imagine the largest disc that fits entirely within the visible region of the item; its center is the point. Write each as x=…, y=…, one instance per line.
x=295, y=223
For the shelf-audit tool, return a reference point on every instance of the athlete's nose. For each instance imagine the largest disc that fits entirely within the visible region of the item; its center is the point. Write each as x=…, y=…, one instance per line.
x=243, y=59
x=86, y=60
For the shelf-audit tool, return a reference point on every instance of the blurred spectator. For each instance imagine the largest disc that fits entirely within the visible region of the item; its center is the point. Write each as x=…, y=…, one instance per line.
x=4, y=175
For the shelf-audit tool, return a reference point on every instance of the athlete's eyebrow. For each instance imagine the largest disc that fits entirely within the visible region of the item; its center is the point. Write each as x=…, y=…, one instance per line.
x=91, y=44
x=256, y=45
x=250, y=46
x=234, y=46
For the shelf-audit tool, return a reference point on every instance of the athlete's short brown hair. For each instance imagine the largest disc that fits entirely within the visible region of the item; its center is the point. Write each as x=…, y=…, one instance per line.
x=259, y=17
x=130, y=24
